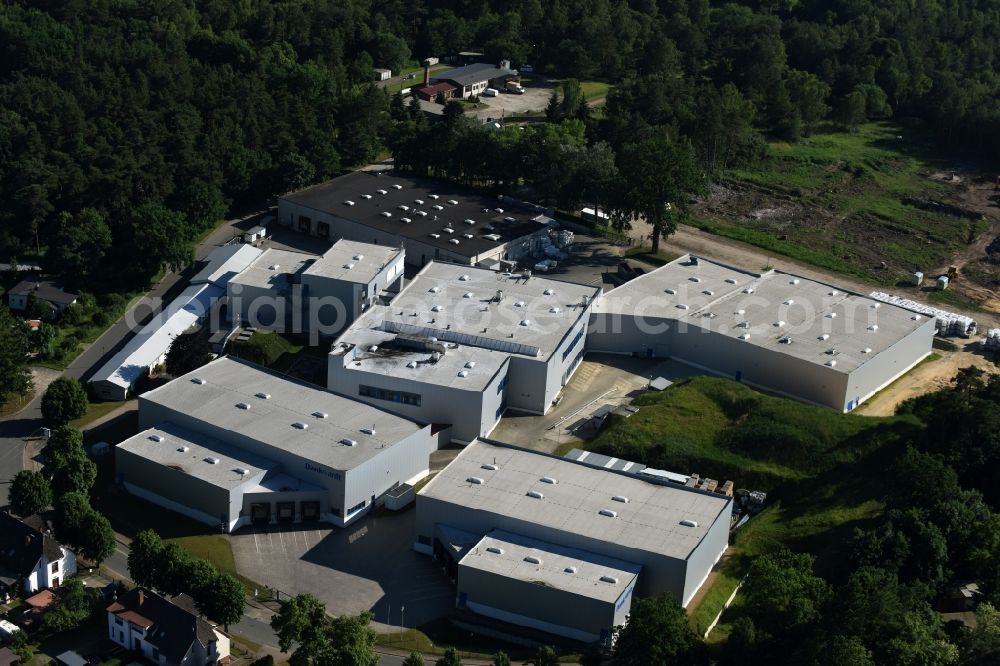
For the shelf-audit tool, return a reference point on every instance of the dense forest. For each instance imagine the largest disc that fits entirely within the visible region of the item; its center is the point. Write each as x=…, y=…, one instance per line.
x=127, y=127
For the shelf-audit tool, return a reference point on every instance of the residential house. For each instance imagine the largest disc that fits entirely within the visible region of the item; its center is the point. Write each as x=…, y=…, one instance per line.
x=48, y=295
x=30, y=557
x=167, y=631
x=382, y=74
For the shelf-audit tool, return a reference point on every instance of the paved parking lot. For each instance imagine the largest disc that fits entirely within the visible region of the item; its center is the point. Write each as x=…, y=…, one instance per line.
x=533, y=100
x=369, y=566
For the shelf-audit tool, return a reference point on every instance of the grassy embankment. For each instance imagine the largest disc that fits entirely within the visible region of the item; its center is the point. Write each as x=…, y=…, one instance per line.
x=843, y=201
x=824, y=472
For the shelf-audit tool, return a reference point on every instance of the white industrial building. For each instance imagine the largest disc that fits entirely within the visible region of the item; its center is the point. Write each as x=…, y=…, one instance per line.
x=148, y=348
x=460, y=345
x=434, y=220
x=530, y=535
x=299, y=292
x=232, y=443
x=776, y=331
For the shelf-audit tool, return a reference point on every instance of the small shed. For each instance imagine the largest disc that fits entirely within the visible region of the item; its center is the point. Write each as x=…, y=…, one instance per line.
x=660, y=384
x=399, y=497
x=942, y=282
x=382, y=74
x=255, y=235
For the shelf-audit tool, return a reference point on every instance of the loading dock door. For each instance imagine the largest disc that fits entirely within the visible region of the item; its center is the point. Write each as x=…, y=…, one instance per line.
x=260, y=513
x=310, y=510
x=286, y=512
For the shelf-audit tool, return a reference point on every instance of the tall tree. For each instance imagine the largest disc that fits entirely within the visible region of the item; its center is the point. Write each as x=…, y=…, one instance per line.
x=188, y=351
x=302, y=622
x=143, y=557
x=29, y=493
x=77, y=252
x=15, y=379
x=657, y=632
x=64, y=400
x=657, y=177
x=223, y=600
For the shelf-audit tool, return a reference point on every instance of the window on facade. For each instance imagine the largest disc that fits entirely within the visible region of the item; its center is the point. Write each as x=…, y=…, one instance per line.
x=357, y=507
x=503, y=384
x=119, y=622
x=305, y=223
x=55, y=567
x=323, y=229
x=402, y=397
x=569, y=349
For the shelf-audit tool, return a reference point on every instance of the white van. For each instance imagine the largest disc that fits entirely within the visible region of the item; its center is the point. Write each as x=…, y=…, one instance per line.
x=491, y=92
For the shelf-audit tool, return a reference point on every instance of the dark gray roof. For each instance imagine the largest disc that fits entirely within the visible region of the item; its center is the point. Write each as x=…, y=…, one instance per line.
x=329, y=197
x=176, y=623
x=474, y=73
x=22, y=544
x=44, y=291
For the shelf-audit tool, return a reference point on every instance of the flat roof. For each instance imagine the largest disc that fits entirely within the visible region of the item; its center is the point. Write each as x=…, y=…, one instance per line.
x=153, y=340
x=566, y=569
x=271, y=268
x=424, y=219
x=190, y=452
x=650, y=520
x=458, y=305
x=779, y=311
x=274, y=404
x=351, y=261
x=224, y=263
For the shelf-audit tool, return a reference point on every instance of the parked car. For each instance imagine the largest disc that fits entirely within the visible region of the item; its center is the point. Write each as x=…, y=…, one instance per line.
x=491, y=92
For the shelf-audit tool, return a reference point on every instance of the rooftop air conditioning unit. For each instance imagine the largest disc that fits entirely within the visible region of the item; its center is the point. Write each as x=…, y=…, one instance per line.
x=405, y=220
x=535, y=494
x=531, y=559
x=348, y=442
x=452, y=202
x=382, y=191
x=212, y=461
x=397, y=186
x=385, y=213
x=495, y=550
x=437, y=207
x=320, y=415
x=403, y=207
x=549, y=292
x=490, y=466
x=433, y=196
x=299, y=425
x=242, y=471
x=454, y=241
x=183, y=449
x=419, y=202
x=264, y=396
x=242, y=405
x=549, y=480
x=468, y=221
x=570, y=570
x=156, y=438
x=197, y=380
x=348, y=203
x=620, y=498
x=475, y=480
x=609, y=579
x=689, y=523
x=366, y=196
x=609, y=513
x=434, y=235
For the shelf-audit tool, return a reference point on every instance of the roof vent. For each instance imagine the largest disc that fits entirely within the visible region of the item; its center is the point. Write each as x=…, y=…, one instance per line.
x=779, y=323
x=433, y=196
x=866, y=350
x=549, y=292
x=794, y=281
x=495, y=550
x=403, y=207
x=525, y=322
x=197, y=380
x=470, y=364
x=382, y=191
x=824, y=336
x=405, y=220
x=689, y=523
x=454, y=241
x=875, y=306
x=452, y=202
x=743, y=324
x=831, y=363
x=421, y=213
x=448, y=230
x=263, y=396
x=183, y=449
x=535, y=494
x=748, y=290
x=682, y=306
x=708, y=292
x=373, y=348
x=242, y=405
x=156, y=438
x=437, y=207
x=397, y=186
x=549, y=480
x=348, y=442
x=368, y=431
x=789, y=302
x=464, y=277
x=785, y=340
x=463, y=373
x=916, y=317
x=873, y=327
x=212, y=461
x=554, y=310
x=531, y=559
x=489, y=466
x=359, y=257
x=435, y=289
x=300, y=425
x=509, y=219
x=609, y=579
x=731, y=281
x=834, y=293
x=694, y=279
x=519, y=304
x=366, y=196
x=609, y=513
x=475, y=480
x=469, y=236
x=320, y=415
x=241, y=471
x=468, y=221
x=419, y=202
x=385, y=213
x=468, y=294
x=499, y=210
x=434, y=235
x=570, y=569
x=620, y=498
x=670, y=291
x=437, y=308
x=831, y=315
x=411, y=364
x=348, y=203
x=348, y=266
x=492, y=237
x=745, y=336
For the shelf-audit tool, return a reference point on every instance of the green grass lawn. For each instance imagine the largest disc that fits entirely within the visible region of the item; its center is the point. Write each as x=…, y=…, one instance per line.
x=95, y=410
x=594, y=89
x=842, y=204
x=438, y=635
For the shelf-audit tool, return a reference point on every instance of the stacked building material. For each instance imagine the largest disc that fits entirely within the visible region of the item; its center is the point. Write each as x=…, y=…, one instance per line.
x=948, y=323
